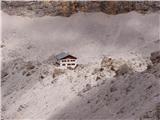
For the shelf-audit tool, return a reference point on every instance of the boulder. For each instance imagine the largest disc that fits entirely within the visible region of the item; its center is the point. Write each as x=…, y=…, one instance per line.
x=155, y=57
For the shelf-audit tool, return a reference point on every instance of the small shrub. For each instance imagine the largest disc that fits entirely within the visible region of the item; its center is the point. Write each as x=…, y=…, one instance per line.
x=122, y=110
x=4, y=74
x=24, y=72
x=97, y=70
x=21, y=107
x=88, y=86
x=98, y=78
x=53, y=81
x=53, y=75
x=2, y=46
x=149, y=87
x=42, y=77
x=79, y=94
x=57, y=72
x=129, y=89
x=123, y=70
x=113, y=89
x=29, y=66
x=3, y=108
x=28, y=74
x=101, y=69
x=149, y=67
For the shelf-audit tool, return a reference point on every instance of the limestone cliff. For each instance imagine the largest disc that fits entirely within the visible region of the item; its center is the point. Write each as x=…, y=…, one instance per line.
x=67, y=8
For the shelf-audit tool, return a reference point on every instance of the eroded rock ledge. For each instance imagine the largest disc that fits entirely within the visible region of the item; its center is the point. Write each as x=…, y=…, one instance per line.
x=67, y=8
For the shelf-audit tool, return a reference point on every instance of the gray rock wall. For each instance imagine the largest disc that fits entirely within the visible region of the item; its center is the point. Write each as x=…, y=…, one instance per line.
x=53, y=8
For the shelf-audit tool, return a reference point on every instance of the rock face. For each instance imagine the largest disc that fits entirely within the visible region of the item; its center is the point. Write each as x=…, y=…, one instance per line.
x=155, y=57
x=67, y=8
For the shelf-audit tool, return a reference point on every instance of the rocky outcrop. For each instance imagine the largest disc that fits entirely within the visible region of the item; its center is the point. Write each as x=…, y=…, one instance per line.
x=155, y=57
x=67, y=8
